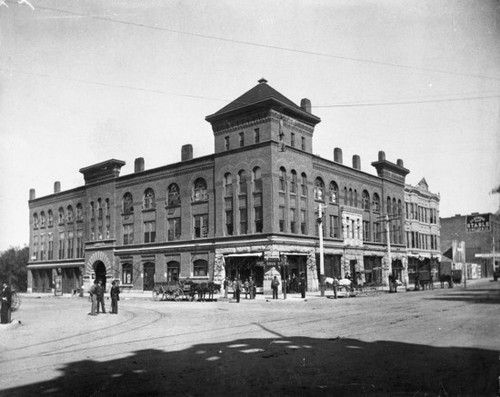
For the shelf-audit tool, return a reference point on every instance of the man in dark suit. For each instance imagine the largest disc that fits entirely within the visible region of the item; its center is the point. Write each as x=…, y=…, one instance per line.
x=99, y=291
x=6, y=304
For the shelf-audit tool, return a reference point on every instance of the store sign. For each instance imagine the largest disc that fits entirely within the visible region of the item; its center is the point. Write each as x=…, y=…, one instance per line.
x=478, y=223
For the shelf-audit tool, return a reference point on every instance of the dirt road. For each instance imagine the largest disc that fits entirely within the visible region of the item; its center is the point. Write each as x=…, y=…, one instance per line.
x=427, y=343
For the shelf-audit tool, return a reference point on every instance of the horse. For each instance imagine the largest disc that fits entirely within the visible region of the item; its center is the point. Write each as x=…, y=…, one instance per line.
x=212, y=288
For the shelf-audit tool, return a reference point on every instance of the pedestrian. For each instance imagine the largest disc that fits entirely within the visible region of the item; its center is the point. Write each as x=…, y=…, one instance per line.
x=237, y=289
x=6, y=304
x=245, y=287
x=302, y=285
x=100, y=297
x=115, y=297
x=274, y=285
x=226, y=285
x=93, y=298
x=251, y=287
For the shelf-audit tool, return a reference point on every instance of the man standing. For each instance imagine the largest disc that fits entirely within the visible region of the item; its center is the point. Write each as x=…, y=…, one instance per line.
x=251, y=286
x=100, y=297
x=6, y=304
x=115, y=297
x=274, y=285
x=303, y=285
x=237, y=289
x=93, y=298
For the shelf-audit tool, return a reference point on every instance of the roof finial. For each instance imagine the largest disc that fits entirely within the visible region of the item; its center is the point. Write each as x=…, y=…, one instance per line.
x=262, y=80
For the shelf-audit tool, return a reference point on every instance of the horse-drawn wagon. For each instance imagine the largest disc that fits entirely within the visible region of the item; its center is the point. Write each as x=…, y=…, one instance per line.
x=186, y=289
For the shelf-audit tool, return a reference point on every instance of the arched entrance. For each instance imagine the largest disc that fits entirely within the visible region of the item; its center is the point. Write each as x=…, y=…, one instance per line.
x=149, y=276
x=100, y=272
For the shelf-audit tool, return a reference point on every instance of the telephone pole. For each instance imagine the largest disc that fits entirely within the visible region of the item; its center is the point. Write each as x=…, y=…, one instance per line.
x=387, y=220
x=321, y=256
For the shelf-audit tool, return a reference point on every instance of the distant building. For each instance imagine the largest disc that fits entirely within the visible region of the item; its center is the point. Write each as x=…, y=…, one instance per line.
x=422, y=229
x=248, y=209
x=481, y=235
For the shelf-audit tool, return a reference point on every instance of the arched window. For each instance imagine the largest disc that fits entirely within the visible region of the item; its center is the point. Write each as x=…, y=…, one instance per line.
x=42, y=219
x=79, y=212
x=242, y=182
x=61, y=215
x=303, y=184
x=334, y=192
x=228, y=185
x=174, y=197
x=319, y=189
x=99, y=208
x=200, y=190
x=200, y=268
x=128, y=203
x=388, y=205
x=376, y=202
x=69, y=213
x=293, y=182
x=351, y=198
x=394, y=206
x=400, y=208
x=257, y=179
x=173, y=271
x=149, y=199
x=35, y=220
x=355, y=198
x=365, y=200
x=50, y=218
x=282, y=186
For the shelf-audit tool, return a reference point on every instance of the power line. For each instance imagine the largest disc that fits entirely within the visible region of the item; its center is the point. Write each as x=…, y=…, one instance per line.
x=269, y=46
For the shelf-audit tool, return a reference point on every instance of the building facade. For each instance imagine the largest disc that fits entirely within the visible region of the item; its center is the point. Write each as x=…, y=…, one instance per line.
x=422, y=230
x=248, y=209
x=481, y=236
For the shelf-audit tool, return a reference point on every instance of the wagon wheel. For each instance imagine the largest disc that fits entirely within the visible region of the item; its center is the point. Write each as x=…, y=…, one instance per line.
x=15, y=301
x=157, y=294
x=178, y=294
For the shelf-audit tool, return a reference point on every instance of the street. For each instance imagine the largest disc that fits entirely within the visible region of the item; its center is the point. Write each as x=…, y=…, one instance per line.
x=441, y=342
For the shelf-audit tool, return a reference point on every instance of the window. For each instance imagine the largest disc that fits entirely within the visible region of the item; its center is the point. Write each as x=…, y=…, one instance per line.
x=128, y=204
x=334, y=226
x=127, y=273
x=61, y=245
x=242, y=182
x=365, y=200
x=319, y=189
x=389, y=209
x=99, y=209
x=376, y=203
x=226, y=143
x=257, y=179
x=50, y=218
x=79, y=243
x=42, y=219
x=61, y=216
x=128, y=234
x=377, y=237
x=303, y=228
x=256, y=134
x=173, y=271
x=258, y=218
x=228, y=185
x=200, y=226
x=200, y=268
x=174, y=197
x=292, y=221
x=149, y=199
x=366, y=231
x=282, y=219
x=79, y=212
x=229, y=222
x=174, y=229
x=334, y=192
x=69, y=214
x=293, y=182
x=282, y=181
x=71, y=243
x=35, y=221
x=292, y=139
x=303, y=184
x=394, y=206
x=303, y=144
x=351, y=197
x=242, y=139
x=149, y=232
x=35, y=247
x=200, y=190
x=243, y=221
x=42, y=247
x=50, y=251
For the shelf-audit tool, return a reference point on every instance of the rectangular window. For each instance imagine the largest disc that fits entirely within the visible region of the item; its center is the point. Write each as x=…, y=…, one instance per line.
x=108, y=227
x=226, y=143
x=127, y=273
x=366, y=231
x=303, y=144
x=128, y=234
x=257, y=135
x=303, y=228
x=258, y=219
x=292, y=221
x=376, y=232
x=292, y=139
x=243, y=221
x=42, y=247
x=242, y=139
x=35, y=247
x=174, y=229
x=334, y=226
x=50, y=251
x=229, y=222
x=71, y=243
x=200, y=226
x=79, y=243
x=149, y=232
x=282, y=218
x=61, y=245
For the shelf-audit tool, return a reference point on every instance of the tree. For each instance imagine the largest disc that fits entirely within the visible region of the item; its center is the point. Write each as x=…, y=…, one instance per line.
x=15, y=260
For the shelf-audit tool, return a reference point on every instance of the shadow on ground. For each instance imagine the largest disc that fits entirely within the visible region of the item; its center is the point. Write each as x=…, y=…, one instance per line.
x=482, y=295
x=281, y=366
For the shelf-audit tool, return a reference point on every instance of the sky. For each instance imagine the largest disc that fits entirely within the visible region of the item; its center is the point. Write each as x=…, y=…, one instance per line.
x=86, y=81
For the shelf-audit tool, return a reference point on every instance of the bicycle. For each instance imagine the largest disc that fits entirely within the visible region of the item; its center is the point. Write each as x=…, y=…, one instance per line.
x=15, y=301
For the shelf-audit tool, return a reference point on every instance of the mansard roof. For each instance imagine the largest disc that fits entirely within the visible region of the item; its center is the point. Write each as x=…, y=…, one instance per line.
x=263, y=96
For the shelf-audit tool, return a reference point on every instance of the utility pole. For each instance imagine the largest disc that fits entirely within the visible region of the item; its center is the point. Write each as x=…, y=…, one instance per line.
x=321, y=256
x=387, y=220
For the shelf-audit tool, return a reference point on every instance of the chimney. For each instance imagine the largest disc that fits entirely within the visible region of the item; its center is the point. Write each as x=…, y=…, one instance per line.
x=57, y=187
x=305, y=104
x=139, y=164
x=337, y=155
x=187, y=152
x=32, y=194
x=356, y=162
x=381, y=155
x=400, y=163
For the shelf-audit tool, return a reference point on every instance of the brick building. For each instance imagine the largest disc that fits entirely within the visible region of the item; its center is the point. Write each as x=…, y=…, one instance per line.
x=422, y=229
x=250, y=208
x=481, y=235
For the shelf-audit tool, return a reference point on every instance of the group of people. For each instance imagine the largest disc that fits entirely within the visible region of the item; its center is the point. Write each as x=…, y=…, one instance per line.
x=247, y=287
x=97, y=298
x=298, y=285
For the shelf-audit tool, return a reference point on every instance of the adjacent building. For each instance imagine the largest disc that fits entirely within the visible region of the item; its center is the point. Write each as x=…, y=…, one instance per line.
x=252, y=208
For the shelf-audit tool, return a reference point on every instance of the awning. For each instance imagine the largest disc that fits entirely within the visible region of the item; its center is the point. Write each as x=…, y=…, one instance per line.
x=54, y=265
x=255, y=254
x=294, y=253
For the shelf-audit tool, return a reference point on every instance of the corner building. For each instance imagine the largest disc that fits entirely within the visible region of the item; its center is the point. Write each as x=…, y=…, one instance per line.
x=249, y=209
